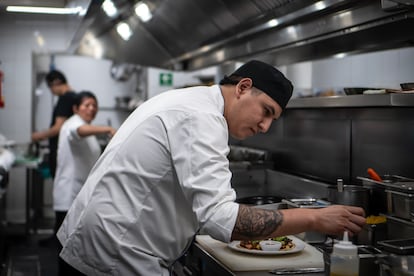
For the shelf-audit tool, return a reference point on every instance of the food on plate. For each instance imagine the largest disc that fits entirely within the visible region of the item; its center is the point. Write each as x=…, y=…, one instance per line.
x=287, y=243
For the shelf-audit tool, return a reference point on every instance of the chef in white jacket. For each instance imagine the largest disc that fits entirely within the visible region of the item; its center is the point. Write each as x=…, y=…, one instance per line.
x=78, y=150
x=165, y=175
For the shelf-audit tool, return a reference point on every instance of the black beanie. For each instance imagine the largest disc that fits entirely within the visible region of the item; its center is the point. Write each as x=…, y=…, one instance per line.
x=266, y=78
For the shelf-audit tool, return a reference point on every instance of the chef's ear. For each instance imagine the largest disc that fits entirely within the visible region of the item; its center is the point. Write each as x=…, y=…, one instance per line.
x=243, y=85
x=75, y=108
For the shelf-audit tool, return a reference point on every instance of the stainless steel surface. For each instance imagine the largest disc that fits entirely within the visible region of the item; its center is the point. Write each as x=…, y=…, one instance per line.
x=390, y=99
x=355, y=29
x=400, y=246
x=292, y=186
x=392, y=182
x=329, y=143
x=398, y=228
x=352, y=195
x=235, y=31
x=402, y=204
x=296, y=271
x=340, y=184
x=306, y=203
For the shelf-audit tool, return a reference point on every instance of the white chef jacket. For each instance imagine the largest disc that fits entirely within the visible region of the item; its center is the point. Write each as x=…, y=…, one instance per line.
x=163, y=176
x=75, y=158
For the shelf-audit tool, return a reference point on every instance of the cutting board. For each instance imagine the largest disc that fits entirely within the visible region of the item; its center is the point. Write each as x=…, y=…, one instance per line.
x=239, y=261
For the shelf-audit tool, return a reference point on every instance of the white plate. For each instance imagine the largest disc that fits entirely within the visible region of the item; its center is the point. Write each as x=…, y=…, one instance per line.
x=300, y=245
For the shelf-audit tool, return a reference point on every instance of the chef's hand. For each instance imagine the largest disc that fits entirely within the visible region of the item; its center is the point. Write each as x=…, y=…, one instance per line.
x=336, y=219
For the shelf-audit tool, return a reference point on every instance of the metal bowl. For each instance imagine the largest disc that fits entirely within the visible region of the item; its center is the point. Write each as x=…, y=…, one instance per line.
x=407, y=86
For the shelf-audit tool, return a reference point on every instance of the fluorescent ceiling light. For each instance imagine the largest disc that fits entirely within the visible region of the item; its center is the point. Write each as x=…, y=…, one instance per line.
x=142, y=10
x=109, y=8
x=124, y=30
x=273, y=23
x=47, y=10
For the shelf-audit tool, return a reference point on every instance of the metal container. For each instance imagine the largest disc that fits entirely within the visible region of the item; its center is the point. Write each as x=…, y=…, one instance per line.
x=401, y=204
x=395, y=192
x=399, y=246
x=351, y=195
x=398, y=228
x=310, y=203
x=306, y=203
x=378, y=197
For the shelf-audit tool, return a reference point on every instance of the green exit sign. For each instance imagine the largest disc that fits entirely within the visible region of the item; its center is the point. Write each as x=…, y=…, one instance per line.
x=166, y=79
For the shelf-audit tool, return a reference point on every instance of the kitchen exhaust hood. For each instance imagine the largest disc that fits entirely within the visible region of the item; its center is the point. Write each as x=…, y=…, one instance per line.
x=190, y=35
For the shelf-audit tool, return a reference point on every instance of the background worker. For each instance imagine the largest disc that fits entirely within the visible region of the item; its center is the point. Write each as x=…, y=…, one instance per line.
x=78, y=151
x=63, y=109
x=59, y=86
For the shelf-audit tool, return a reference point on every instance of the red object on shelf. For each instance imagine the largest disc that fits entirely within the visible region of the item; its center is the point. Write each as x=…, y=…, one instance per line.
x=373, y=175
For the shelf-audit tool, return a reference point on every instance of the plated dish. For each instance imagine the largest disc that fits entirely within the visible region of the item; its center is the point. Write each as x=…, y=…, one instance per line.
x=299, y=246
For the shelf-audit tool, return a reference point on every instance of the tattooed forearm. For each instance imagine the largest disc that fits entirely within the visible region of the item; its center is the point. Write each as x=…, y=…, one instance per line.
x=255, y=223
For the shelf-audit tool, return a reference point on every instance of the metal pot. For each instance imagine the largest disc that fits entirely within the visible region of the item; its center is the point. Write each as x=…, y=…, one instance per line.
x=351, y=195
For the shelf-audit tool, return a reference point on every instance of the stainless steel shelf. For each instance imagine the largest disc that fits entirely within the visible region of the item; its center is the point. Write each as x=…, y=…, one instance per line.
x=383, y=100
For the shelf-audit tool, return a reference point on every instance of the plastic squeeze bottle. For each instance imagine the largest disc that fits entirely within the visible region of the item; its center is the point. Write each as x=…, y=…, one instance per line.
x=344, y=258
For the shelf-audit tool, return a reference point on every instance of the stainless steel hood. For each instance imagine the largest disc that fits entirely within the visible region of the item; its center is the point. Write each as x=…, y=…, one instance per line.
x=189, y=35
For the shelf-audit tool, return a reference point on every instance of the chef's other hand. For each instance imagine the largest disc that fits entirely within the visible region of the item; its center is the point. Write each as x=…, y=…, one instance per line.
x=336, y=219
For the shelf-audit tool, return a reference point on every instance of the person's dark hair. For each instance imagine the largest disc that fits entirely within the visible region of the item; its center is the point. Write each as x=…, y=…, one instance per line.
x=233, y=80
x=54, y=75
x=82, y=95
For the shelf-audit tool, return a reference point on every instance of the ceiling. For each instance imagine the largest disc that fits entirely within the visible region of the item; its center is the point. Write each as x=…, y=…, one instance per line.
x=189, y=35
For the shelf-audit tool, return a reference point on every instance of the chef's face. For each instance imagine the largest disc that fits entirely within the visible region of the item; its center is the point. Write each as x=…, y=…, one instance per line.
x=252, y=111
x=87, y=109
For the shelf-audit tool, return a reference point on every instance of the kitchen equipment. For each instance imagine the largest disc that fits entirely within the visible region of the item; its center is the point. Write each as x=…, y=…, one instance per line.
x=238, y=261
x=356, y=90
x=259, y=200
x=352, y=195
x=372, y=233
x=398, y=228
x=399, y=246
x=396, y=265
x=401, y=204
x=309, y=236
x=398, y=191
x=407, y=86
x=306, y=203
x=340, y=184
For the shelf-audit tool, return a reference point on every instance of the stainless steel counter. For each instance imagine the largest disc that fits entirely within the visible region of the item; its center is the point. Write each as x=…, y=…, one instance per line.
x=379, y=100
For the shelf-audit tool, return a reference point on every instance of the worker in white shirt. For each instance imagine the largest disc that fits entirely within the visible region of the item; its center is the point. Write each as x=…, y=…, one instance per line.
x=165, y=175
